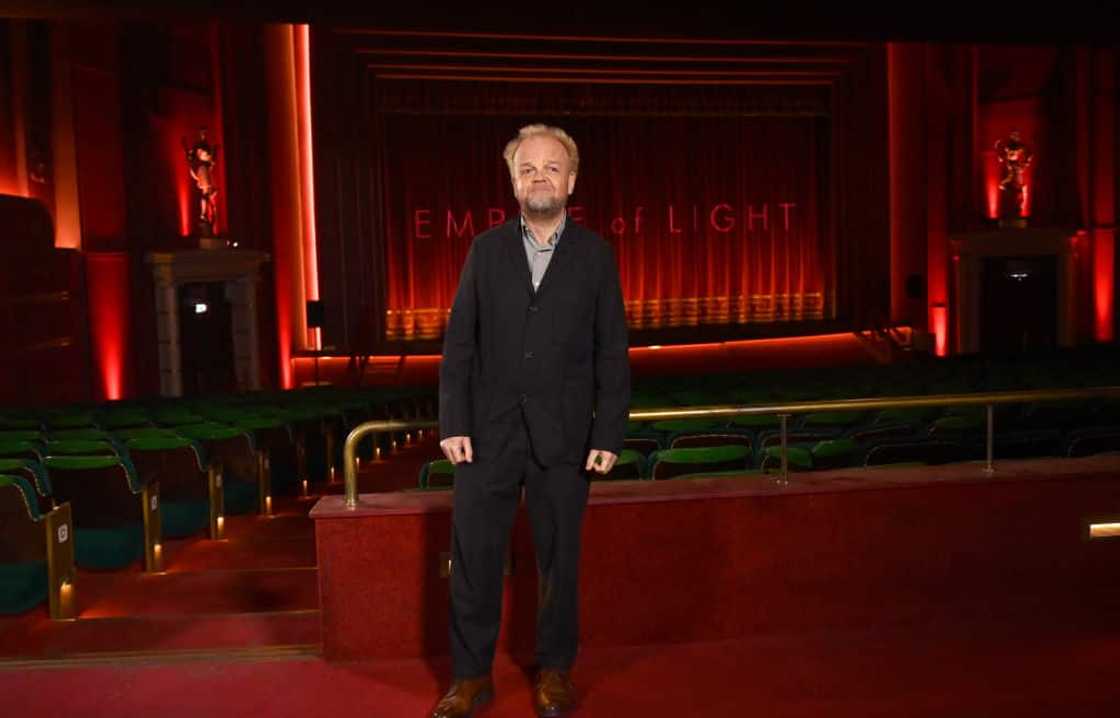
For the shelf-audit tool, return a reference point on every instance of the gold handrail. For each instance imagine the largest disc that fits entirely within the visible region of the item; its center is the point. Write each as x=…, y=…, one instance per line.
x=784, y=411
x=350, y=448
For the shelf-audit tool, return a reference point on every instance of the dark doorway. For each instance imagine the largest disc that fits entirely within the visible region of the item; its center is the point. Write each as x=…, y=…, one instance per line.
x=1019, y=309
x=206, y=339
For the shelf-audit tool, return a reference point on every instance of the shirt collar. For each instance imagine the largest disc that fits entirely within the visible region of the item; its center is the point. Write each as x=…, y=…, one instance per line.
x=527, y=234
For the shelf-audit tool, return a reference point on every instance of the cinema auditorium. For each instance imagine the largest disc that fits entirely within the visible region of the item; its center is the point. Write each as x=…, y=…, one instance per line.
x=869, y=458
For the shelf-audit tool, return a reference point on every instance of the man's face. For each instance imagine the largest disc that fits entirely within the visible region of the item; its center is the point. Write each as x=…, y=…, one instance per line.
x=543, y=176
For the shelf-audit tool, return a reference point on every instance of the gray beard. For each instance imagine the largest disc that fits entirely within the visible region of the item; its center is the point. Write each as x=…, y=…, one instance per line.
x=543, y=208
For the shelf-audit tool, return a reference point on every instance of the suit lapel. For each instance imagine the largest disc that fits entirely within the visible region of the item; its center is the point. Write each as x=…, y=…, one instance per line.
x=515, y=254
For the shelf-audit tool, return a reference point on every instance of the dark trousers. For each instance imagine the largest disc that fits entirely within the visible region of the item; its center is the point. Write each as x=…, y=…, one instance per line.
x=487, y=494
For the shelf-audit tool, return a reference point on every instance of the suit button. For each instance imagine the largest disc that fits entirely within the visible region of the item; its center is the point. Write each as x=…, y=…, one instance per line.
x=534, y=308
x=528, y=355
x=524, y=398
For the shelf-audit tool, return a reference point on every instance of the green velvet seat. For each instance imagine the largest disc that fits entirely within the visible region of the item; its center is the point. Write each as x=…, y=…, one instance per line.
x=232, y=447
x=20, y=423
x=439, y=473
x=86, y=434
x=906, y=415
x=274, y=435
x=971, y=425
x=732, y=474
x=23, y=561
x=32, y=471
x=22, y=435
x=179, y=465
x=836, y=453
x=80, y=447
x=668, y=463
x=71, y=420
x=711, y=438
x=105, y=495
x=631, y=464
x=798, y=458
x=123, y=419
x=836, y=419
x=176, y=416
x=922, y=451
x=16, y=449
x=144, y=432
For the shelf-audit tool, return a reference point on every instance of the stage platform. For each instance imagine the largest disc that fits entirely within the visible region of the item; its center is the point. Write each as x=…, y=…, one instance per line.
x=713, y=559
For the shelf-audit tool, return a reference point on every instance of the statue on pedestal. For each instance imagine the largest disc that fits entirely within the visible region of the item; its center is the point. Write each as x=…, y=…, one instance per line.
x=201, y=157
x=1015, y=157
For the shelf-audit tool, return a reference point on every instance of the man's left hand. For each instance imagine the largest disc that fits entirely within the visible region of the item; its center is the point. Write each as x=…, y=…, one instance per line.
x=600, y=460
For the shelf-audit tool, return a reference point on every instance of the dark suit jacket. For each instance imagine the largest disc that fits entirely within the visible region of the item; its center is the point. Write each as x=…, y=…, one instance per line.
x=559, y=355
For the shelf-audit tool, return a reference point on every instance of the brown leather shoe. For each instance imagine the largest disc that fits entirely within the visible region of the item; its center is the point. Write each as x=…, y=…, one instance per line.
x=554, y=694
x=464, y=695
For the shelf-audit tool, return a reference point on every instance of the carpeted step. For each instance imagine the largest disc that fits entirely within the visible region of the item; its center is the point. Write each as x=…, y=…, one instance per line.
x=186, y=594
x=166, y=633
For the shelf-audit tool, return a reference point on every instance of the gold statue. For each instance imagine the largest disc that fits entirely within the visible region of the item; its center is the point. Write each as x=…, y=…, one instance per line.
x=201, y=158
x=1015, y=157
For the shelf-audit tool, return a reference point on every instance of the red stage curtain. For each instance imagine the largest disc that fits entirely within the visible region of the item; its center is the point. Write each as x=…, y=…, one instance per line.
x=716, y=219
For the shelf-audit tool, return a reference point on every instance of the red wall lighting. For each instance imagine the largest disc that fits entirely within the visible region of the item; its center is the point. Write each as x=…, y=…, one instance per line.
x=939, y=322
x=109, y=320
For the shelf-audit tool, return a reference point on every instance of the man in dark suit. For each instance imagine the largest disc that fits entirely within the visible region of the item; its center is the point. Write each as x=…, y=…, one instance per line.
x=534, y=390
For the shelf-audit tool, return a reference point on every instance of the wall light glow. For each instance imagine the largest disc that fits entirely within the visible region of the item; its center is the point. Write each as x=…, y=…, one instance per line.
x=109, y=318
x=939, y=322
x=1105, y=530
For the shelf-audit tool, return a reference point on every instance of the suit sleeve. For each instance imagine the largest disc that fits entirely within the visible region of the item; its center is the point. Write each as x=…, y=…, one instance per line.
x=459, y=347
x=612, y=363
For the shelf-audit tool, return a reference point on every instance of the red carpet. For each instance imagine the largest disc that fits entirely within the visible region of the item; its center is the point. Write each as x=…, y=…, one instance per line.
x=993, y=670
x=232, y=628
x=257, y=588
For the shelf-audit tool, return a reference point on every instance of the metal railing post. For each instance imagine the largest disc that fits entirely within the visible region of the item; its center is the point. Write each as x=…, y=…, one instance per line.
x=785, y=454
x=991, y=438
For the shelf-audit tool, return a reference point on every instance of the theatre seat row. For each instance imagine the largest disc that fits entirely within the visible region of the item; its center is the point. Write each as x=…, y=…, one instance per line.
x=826, y=441
x=133, y=477
x=1084, y=367
x=631, y=464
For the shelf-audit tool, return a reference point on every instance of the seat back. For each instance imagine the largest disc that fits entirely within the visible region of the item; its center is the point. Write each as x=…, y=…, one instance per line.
x=908, y=452
x=21, y=535
x=232, y=447
x=437, y=474
x=81, y=447
x=630, y=465
x=20, y=450
x=101, y=490
x=836, y=454
x=35, y=474
x=1087, y=442
x=177, y=463
x=643, y=445
x=669, y=463
x=684, y=441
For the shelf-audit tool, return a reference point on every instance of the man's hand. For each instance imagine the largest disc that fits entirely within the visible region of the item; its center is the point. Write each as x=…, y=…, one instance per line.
x=457, y=449
x=600, y=460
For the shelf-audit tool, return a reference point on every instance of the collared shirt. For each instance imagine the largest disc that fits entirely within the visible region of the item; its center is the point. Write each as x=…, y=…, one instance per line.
x=539, y=256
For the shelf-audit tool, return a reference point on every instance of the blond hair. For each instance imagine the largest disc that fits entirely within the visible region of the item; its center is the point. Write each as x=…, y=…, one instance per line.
x=539, y=129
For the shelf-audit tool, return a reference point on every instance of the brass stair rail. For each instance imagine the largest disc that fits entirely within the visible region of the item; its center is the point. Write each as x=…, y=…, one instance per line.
x=350, y=448
x=986, y=399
